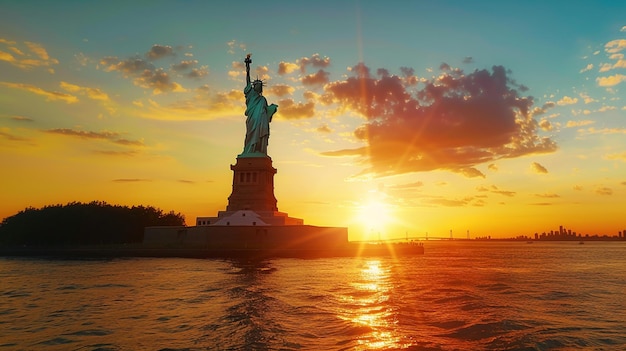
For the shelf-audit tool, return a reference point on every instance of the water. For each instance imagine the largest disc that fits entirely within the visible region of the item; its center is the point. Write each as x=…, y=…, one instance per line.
x=458, y=296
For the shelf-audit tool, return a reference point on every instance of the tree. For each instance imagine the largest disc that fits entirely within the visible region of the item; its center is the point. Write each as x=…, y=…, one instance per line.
x=79, y=223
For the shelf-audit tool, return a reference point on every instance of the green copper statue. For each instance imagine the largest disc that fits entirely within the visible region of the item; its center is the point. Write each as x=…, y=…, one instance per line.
x=259, y=115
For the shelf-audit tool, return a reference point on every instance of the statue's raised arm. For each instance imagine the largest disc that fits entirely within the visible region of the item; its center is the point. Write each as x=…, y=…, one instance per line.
x=259, y=115
x=248, y=61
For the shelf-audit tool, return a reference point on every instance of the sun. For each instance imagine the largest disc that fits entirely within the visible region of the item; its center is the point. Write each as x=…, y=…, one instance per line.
x=374, y=215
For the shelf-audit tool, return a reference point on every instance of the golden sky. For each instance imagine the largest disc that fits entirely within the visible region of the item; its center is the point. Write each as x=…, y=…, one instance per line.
x=395, y=119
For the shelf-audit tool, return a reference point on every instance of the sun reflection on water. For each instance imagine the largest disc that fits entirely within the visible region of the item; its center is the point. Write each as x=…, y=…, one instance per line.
x=367, y=308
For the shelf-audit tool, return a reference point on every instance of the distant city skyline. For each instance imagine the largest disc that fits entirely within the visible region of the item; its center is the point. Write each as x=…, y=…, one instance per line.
x=393, y=117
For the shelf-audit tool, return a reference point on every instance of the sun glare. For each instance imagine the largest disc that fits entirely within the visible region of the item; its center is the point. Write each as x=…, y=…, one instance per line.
x=374, y=215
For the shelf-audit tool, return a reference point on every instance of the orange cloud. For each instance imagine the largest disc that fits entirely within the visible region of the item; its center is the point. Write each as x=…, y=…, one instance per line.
x=50, y=95
x=286, y=67
x=571, y=124
x=30, y=56
x=318, y=78
x=566, y=100
x=289, y=109
x=105, y=135
x=611, y=80
x=281, y=89
x=454, y=122
x=537, y=168
x=92, y=93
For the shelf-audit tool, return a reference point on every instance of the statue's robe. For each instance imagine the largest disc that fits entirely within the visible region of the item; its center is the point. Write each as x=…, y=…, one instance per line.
x=259, y=115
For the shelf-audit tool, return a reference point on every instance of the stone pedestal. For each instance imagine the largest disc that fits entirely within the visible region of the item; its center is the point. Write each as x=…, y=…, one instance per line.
x=252, y=201
x=253, y=185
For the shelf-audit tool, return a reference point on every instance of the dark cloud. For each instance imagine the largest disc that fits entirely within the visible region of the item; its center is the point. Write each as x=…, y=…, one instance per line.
x=289, y=109
x=315, y=61
x=22, y=119
x=198, y=72
x=188, y=67
x=470, y=172
x=550, y=196
x=604, y=191
x=468, y=59
x=537, y=168
x=143, y=73
x=453, y=122
x=280, y=90
x=319, y=78
x=184, y=65
x=11, y=137
x=128, y=67
x=159, y=51
x=109, y=136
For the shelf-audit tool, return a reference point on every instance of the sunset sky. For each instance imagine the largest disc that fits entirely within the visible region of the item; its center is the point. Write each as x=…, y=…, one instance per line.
x=395, y=118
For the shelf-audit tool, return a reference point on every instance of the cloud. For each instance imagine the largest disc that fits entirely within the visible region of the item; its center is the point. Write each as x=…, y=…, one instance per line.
x=189, y=69
x=470, y=172
x=621, y=157
x=448, y=202
x=131, y=180
x=492, y=167
x=454, y=122
x=605, y=131
x=127, y=153
x=315, y=61
x=105, y=135
x=319, y=78
x=589, y=67
x=611, y=80
x=566, y=100
x=615, y=46
x=408, y=185
x=27, y=55
x=50, y=95
x=289, y=109
x=494, y=189
x=604, y=191
x=159, y=51
x=586, y=98
x=143, y=73
x=22, y=119
x=550, y=196
x=468, y=59
x=92, y=93
x=537, y=168
x=281, y=90
x=287, y=67
x=324, y=128
x=544, y=124
x=571, y=124
x=5, y=133
x=232, y=45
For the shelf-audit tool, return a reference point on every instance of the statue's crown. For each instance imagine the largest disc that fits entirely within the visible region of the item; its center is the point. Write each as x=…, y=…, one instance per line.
x=258, y=81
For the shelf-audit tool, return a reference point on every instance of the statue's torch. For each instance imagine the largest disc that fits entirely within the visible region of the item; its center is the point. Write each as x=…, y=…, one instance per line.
x=248, y=61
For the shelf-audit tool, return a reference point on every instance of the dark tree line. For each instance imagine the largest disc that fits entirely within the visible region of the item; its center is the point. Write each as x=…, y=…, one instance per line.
x=79, y=223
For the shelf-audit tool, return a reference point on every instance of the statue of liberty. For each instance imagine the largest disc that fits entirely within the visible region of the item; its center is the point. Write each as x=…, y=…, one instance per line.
x=259, y=115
